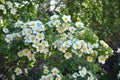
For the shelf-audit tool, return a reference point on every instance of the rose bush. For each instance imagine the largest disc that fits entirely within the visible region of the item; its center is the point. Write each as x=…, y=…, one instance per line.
x=58, y=49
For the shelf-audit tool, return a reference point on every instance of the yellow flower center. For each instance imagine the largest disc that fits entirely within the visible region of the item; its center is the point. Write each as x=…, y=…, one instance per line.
x=36, y=44
x=65, y=19
x=32, y=24
x=68, y=54
x=9, y=38
x=32, y=38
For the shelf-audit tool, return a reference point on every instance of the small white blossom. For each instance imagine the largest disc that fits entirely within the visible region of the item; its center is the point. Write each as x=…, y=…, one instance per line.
x=18, y=23
x=66, y=18
x=9, y=38
x=18, y=71
x=5, y=30
x=54, y=17
x=13, y=11
x=55, y=71
x=67, y=55
x=2, y=7
x=101, y=59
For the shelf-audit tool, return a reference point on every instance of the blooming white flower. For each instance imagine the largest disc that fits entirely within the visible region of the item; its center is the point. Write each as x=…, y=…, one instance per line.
x=9, y=4
x=77, y=45
x=79, y=24
x=101, y=59
x=13, y=11
x=40, y=36
x=37, y=29
x=32, y=38
x=36, y=44
x=18, y=71
x=89, y=51
x=67, y=43
x=84, y=48
x=40, y=49
x=54, y=17
x=20, y=54
x=60, y=29
x=65, y=26
x=2, y=7
x=26, y=52
x=83, y=72
x=89, y=58
x=26, y=31
x=46, y=71
x=9, y=38
x=5, y=30
x=18, y=23
x=63, y=36
x=63, y=49
x=55, y=71
x=44, y=43
x=32, y=24
x=67, y=55
x=31, y=57
x=66, y=18
x=72, y=29
x=57, y=23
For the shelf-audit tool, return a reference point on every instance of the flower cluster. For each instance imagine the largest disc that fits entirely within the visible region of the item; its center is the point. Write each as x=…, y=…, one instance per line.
x=54, y=74
x=71, y=40
x=82, y=73
x=26, y=52
x=59, y=36
x=11, y=6
x=8, y=5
